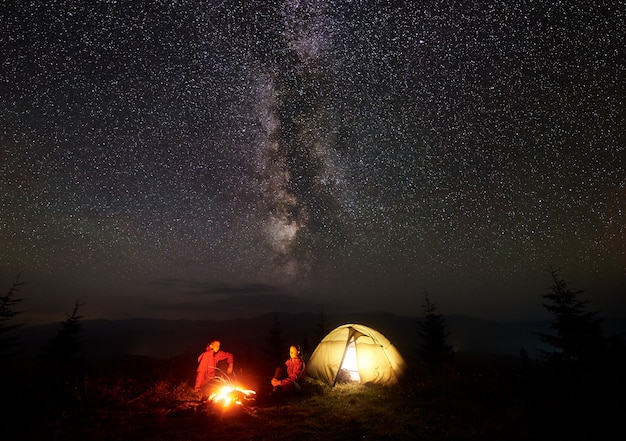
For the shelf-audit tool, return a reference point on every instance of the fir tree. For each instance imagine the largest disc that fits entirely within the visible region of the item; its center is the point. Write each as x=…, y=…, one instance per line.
x=321, y=328
x=63, y=361
x=577, y=333
x=305, y=346
x=433, y=347
x=64, y=354
x=275, y=344
x=8, y=303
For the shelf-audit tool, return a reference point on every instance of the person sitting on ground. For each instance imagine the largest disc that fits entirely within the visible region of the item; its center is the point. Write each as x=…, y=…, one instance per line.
x=294, y=380
x=207, y=363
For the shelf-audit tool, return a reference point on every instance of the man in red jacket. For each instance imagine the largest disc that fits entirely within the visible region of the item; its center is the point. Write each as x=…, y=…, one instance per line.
x=207, y=363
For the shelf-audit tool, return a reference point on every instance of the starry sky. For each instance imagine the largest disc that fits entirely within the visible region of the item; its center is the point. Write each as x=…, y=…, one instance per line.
x=208, y=159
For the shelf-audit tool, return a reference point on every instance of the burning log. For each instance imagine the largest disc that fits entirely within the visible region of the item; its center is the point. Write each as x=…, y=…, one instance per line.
x=230, y=394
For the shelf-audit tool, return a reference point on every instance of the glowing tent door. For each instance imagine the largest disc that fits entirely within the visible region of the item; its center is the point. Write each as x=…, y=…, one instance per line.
x=350, y=363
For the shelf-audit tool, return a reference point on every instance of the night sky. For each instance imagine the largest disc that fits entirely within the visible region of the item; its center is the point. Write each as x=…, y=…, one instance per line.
x=224, y=158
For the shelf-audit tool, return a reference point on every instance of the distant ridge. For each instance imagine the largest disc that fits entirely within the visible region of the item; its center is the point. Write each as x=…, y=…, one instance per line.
x=161, y=338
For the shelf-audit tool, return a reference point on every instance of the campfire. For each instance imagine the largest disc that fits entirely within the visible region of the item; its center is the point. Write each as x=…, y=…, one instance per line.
x=229, y=394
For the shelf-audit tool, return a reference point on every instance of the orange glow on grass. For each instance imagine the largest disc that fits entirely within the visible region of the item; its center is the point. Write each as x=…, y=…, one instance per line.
x=231, y=394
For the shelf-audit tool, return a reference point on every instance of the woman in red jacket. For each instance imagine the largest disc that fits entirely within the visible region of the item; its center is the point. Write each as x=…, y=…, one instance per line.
x=294, y=380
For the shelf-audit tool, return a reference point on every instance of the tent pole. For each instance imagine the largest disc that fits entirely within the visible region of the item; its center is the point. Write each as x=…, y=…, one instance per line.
x=343, y=356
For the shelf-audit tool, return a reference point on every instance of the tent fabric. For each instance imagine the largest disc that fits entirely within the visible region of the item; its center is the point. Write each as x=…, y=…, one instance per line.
x=377, y=359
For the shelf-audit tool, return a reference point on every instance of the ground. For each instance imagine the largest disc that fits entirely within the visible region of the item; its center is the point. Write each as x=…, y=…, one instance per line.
x=478, y=400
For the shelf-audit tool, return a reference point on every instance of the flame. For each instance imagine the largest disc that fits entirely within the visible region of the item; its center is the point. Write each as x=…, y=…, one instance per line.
x=231, y=394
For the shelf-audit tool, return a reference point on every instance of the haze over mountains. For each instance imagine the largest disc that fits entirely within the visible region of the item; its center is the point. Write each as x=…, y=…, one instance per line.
x=247, y=336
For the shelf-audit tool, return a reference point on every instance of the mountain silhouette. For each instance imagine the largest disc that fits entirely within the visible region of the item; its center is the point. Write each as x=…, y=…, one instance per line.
x=160, y=338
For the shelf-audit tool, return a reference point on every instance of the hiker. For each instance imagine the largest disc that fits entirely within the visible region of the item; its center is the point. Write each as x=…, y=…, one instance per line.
x=294, y=380
x=207, y=363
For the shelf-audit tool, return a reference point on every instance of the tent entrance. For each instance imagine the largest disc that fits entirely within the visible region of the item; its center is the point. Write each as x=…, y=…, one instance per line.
x=349, y=364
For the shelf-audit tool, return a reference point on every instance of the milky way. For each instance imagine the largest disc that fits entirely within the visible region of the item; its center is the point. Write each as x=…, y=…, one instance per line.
x=185, y=157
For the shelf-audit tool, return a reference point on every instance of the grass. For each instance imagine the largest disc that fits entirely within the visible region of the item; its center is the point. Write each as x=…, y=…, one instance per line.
x=145, y=399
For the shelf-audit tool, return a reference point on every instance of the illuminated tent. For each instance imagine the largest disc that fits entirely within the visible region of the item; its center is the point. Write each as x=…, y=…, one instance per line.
x=358, y=353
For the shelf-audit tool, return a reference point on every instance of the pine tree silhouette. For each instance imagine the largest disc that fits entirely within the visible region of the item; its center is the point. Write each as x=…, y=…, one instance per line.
x=8, y=303
x=321, y=328
x=577, y=333
x=66, y=349
x=434, y=347
x=275, y=345
x=63, y=362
